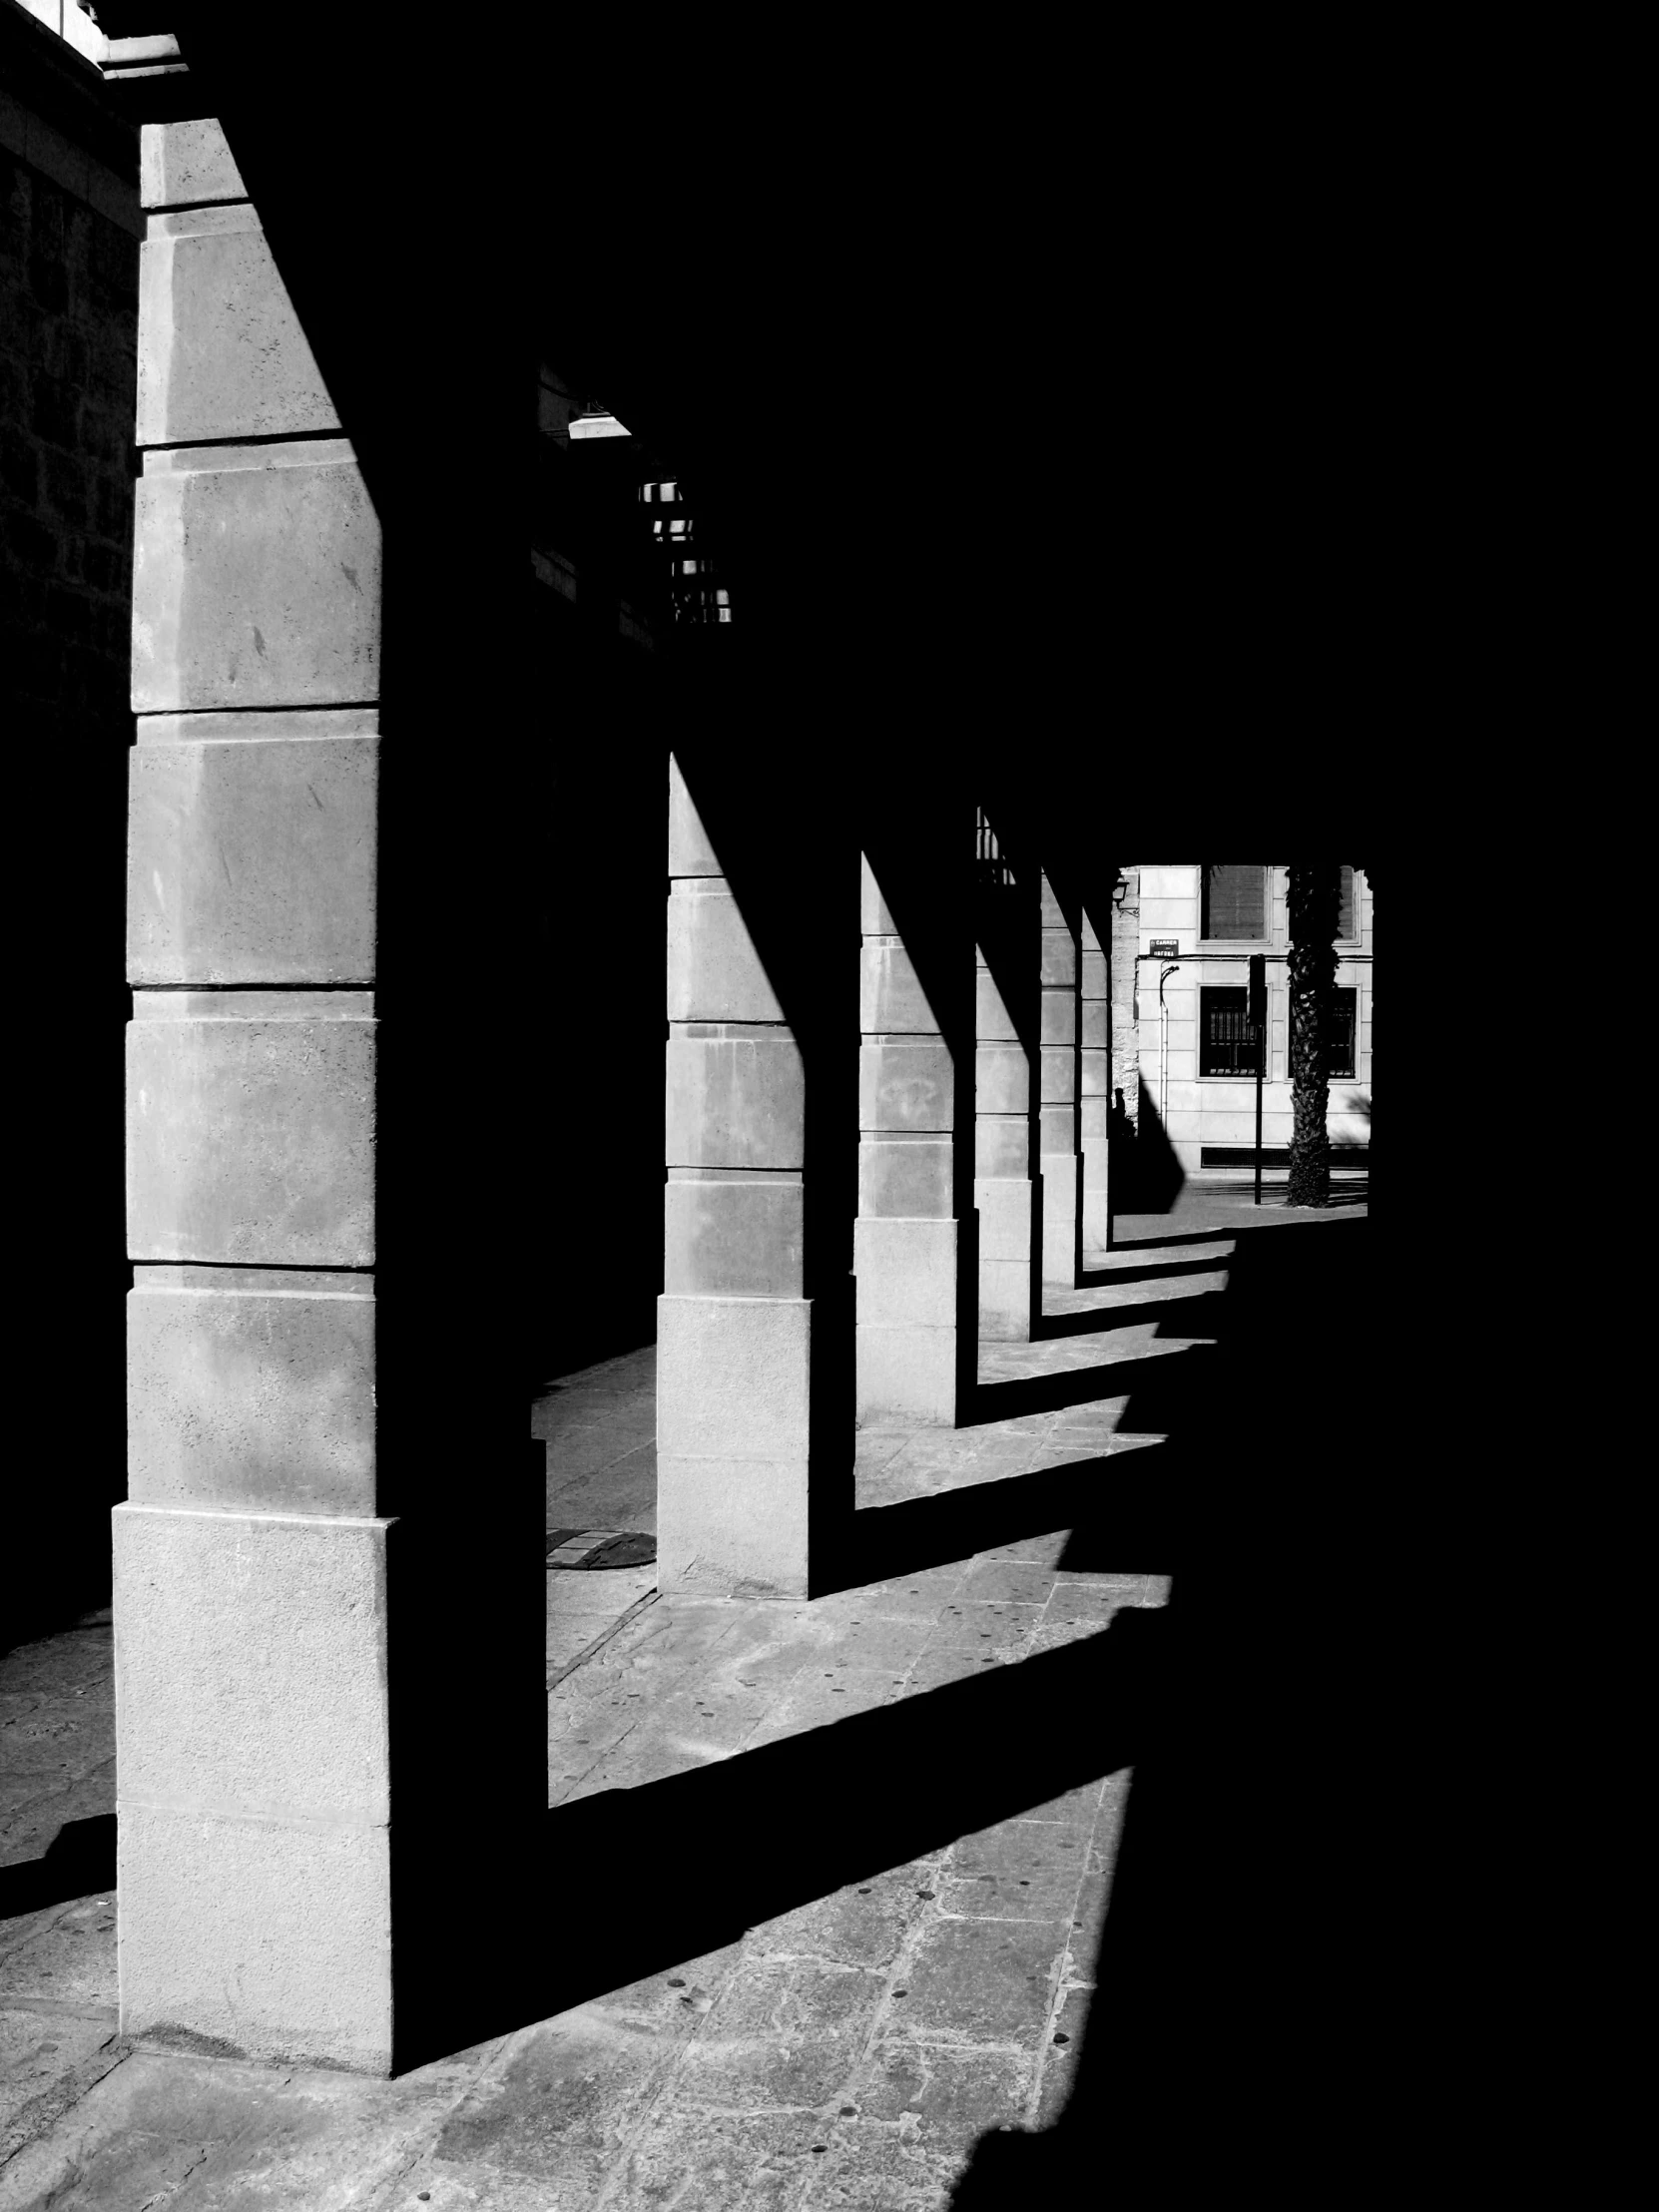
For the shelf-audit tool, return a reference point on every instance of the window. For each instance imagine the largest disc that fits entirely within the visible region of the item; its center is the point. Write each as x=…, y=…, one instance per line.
x=1345, y=907
x=1227, y=1038
x=1234, y=902
x=1340, y=1046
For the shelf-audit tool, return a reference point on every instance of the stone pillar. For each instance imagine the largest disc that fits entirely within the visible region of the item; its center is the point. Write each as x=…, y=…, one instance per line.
x=734, y=1328
x=1094, y=1085
x=906, y=1239
x=1123, y=1113
x=1007, y=1190
x=1063, y=1182
x=284, y=1170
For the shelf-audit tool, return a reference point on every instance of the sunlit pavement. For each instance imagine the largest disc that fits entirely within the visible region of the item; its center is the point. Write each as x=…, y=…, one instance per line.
x=849, y=2052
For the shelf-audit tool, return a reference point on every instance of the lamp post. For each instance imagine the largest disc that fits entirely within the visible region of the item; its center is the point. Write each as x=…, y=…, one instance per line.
x=1258, y=1023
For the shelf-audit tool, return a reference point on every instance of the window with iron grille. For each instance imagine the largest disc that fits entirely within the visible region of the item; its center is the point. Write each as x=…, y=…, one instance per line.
x=1234, y=902
x=991, y=863
x=1227, y=1040
x=1345, y=907
x=1340, y=1042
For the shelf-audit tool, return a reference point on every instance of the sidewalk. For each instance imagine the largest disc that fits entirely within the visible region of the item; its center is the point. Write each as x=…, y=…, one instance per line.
x=881, y=1827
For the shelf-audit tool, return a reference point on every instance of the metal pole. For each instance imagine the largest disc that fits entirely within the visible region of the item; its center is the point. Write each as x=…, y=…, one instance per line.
x=1261, y=1056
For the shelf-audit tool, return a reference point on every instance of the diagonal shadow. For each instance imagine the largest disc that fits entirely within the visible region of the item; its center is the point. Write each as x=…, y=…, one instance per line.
x=1190, y=1237
x=1050, y=1393
x=1247, y=1935
x=78, y=1863
x=1126, y=1492
x=673, y=1868
x=1201, y=1310
x=1153, y=1271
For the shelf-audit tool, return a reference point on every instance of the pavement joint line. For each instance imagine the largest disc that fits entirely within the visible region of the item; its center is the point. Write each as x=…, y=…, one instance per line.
x=598, y=1642
x=61, y=2008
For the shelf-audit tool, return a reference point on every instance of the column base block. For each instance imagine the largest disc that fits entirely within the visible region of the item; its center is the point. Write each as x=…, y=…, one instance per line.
x=1005, y=1300
x=731, y=1528
x=1097, y=1211
x=906, y=1375
x=241, y=1938
x=732, y=1443
x=1061, y=1199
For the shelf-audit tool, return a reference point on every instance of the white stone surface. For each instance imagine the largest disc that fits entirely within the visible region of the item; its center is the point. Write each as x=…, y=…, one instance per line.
x=251, y=1665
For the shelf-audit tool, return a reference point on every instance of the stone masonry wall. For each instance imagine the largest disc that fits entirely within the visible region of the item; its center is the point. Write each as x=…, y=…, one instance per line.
x=1126, y=1036
x=69, y=255
x=68, y=369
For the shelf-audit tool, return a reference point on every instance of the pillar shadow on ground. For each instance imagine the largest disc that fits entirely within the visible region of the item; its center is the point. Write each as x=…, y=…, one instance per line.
x=673, y=1868
x=1252, y=1918
x=1178, y=1317
x=78, y=1863
x=1145, y=1176
x=1025, y=1395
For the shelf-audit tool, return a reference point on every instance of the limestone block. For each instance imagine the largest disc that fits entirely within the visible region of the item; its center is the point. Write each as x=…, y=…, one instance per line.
x=1005, y=1300
x=1092, y=1112
x=689, y=850
x=1059, y=958
x=1060, y=1195
x=992, y=1022
x=1056, y=1130
x=874, y=914
x=1097, y=1024
x=1002, y=1145
x=1052, y=913
x=259, y=721
x=1094, y=1205
x=1059, y=1017
x=1177, y=882
x=911, y=1178
x=905, y=1374
x=251, y=1387
x=733, y=1239
x=220, y=350
x=257, y=579
x=1060, y=1075
x=730, y=1525
x=891, y=996
x=1094, y=977
x=251, y=1665
x=252, y=862
x=1217, y=1126
x=250, y=1128
x=906, y=1086
x=1218, y=1097
x=274, y=1940
x=1008, y=1213
x=907, y=1273
x=183, y=162
x=732, y=1377
x=735, y=1102
x=713, y=971
x=1001, y=1079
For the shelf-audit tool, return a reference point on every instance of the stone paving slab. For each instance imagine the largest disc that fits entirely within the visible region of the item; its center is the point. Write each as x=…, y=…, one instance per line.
x=849, y=2051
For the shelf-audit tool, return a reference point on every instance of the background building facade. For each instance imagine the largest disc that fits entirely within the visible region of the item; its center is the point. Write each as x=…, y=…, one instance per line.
x=1197, y=1056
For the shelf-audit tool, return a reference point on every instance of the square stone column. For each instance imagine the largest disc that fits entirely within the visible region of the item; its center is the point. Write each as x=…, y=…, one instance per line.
x=908, y=1241
x=1007, y=1188
x=734, y=1328
x=1094, y=1073
x=285, y=1171
x=1057, y=1114
x=1124, y=1109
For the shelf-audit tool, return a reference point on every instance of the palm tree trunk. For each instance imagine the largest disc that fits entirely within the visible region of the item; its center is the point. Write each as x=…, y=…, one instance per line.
x=1315, y=897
